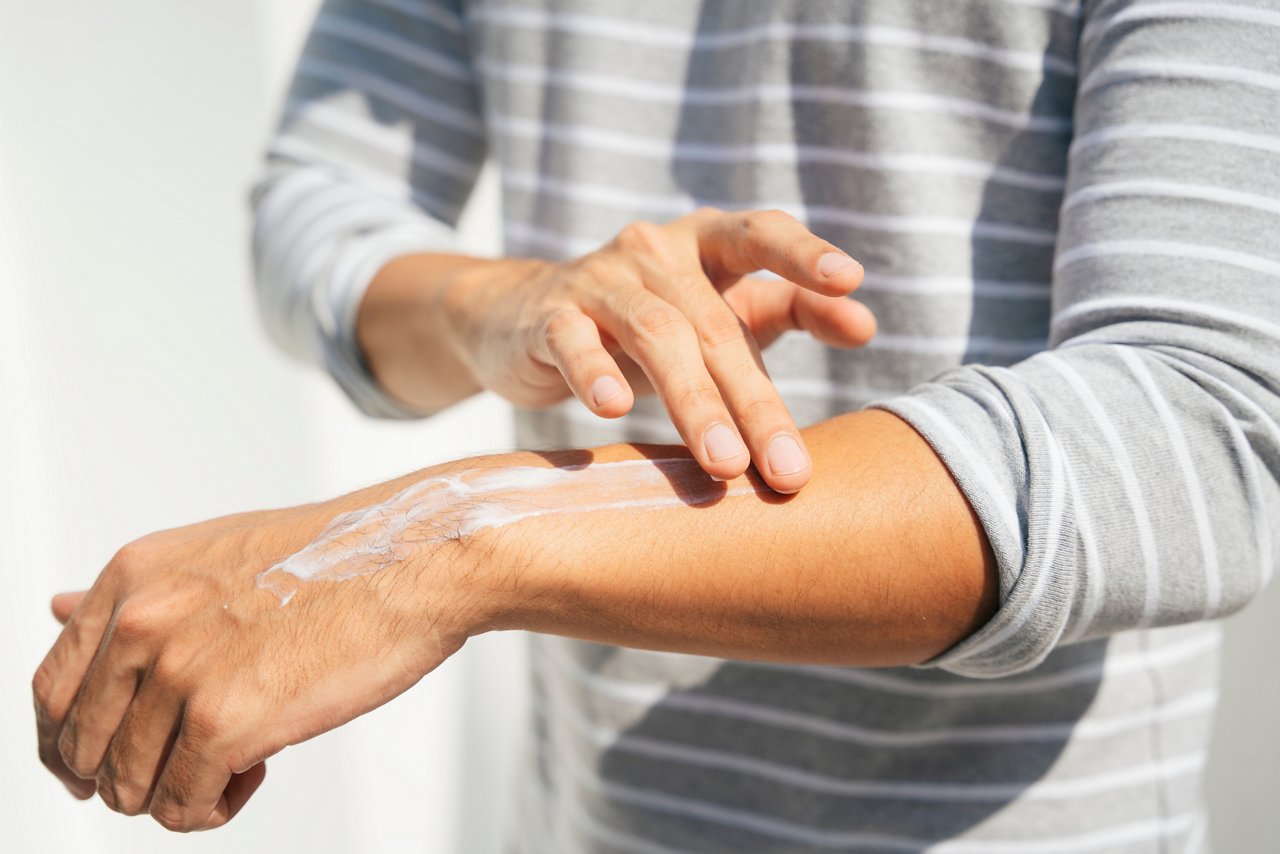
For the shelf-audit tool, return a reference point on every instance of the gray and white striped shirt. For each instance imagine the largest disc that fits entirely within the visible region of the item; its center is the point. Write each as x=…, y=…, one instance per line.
x=1068, y=216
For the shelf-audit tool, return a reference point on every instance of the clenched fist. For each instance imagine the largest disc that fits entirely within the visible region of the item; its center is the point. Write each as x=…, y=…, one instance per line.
x=175, y=676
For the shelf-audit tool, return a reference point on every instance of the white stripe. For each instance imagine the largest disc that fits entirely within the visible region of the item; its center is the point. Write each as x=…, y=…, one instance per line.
x=938, y=345
x=655, y=429
x=1112, y=667
x=1128, y=479
x=634, y=32
x=1006, y=514
x=1055, y=511
x=395, y=142
x=302, y=223
x=805, y=834
x=1171, y=190
x=1185, y=133
x=382, y=41
x=887, y=283
x=787, y=154
x=792, y=777
x=1094, y=577
x=679, y=204
x=1166, y=249
x=410, y=100
x=785, y=93
x=1179, y=11
x=1148, y=308
x=655, y=694
x=1191, y=479
x=1069, y=8
x=1163, y=69
x=829, y=389
x=428, y=12
x=1250, y=463
x=371, y=181
x=524, y=237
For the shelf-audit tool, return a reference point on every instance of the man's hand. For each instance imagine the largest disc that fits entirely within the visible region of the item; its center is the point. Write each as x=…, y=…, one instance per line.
x=662, y=308
x=175, y=676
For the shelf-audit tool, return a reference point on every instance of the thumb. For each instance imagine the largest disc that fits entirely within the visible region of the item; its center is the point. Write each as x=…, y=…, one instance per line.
x=64, y=604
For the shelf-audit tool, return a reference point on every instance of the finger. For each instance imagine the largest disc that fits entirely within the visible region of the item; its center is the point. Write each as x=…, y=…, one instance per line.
x=64, y=605
x=734, y=363
x=109, y=686
x=836, y=321
x=58, y=678
x=735, y=244
x=242, y=787
x=662, y=342
x=771, y=308
x=571, y=341
x=133, y=762
x=191, y=792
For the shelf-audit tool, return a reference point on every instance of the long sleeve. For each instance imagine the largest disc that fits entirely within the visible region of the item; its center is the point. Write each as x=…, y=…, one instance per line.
x=379, y=148
x=1129, y=476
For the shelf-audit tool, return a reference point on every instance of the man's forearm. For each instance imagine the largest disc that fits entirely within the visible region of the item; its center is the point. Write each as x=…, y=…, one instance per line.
x=878, y=561
x=222, y=631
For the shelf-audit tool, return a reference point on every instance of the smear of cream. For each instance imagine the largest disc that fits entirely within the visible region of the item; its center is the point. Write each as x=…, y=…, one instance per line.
x=454, y=506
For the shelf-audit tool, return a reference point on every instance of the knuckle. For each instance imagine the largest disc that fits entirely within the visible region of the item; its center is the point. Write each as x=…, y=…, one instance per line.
x=107, y=793
x=593, y=268
x=169, y=667
x=125, y=798
x=70, y=753
x=657, y=320
x=558, y=325
x=131, y=556
x=763, y=220
x=172, y=817
x=707, y=212
x=644, y=237
x=120, y=794
x=209, y=722
x=695, y=396
x=720, y=329
x=42, y=689
x=138, y=621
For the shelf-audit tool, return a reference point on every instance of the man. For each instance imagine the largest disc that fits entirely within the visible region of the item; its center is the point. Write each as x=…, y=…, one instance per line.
x=1071, y=465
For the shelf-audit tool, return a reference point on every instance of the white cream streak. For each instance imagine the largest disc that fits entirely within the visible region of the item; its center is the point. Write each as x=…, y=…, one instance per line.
x=453, y=506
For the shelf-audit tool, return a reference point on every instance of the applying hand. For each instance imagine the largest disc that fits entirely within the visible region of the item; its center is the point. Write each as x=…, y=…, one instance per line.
x=661, y=307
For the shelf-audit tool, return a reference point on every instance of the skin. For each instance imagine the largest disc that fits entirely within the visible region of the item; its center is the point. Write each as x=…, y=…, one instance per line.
x=662, y=309
x=175, y=676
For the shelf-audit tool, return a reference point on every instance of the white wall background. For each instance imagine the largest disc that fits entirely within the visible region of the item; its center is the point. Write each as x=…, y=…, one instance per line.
x=137, y=392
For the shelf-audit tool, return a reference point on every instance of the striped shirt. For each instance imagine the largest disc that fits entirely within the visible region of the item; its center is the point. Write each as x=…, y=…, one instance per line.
x=1068, y=217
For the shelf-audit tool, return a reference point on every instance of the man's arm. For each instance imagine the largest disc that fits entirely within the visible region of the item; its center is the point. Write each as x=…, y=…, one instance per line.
x=879, y=561
x=181, y=671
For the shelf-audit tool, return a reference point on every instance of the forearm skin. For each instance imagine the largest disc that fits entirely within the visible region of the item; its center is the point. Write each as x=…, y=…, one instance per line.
x=879, y=561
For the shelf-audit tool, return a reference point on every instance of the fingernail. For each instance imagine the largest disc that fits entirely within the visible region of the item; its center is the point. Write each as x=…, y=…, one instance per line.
x=604, y=390
x=834, y=263
x=721, y=443
x=785, y=455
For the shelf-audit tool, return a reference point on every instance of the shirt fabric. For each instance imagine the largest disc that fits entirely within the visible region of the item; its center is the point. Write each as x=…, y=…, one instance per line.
x=1067, y=213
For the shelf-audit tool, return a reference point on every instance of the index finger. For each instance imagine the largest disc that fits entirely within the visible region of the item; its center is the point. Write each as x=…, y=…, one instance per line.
x=57, y=679
x=735, y=244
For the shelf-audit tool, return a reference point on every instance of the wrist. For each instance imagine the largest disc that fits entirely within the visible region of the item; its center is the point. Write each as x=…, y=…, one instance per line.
x=405, y=336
